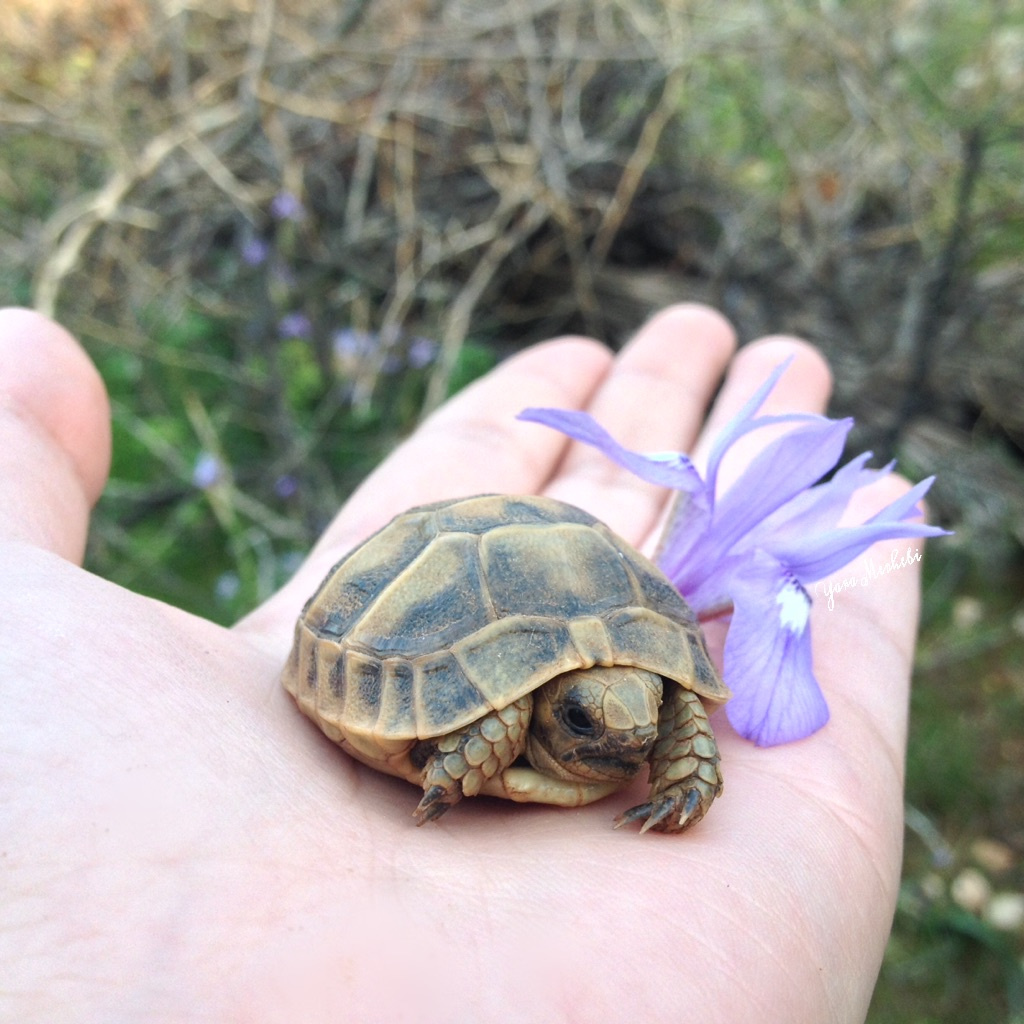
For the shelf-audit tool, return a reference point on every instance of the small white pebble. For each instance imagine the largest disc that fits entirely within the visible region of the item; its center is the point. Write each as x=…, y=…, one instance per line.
x=933, y=886
x=992, y=855
x=1005, y=911
x=1017, y=623
x=971, y=890
x=967, y=612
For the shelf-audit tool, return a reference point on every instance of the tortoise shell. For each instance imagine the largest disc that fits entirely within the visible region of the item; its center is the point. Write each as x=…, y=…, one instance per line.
x=460, y=607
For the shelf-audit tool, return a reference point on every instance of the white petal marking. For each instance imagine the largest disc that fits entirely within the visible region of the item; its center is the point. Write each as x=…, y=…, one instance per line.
x=794, y=606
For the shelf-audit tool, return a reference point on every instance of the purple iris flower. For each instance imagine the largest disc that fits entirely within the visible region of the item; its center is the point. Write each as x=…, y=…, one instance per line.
x=255, y=251
x=207, y=471
x=295, y=325
x=287, y=206
x=422, y=352
x=350, y=343
x=755, y=549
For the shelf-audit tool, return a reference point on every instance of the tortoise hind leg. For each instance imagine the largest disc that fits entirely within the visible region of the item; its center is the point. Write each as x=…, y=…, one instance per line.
x=460, y=763
x=685, y=772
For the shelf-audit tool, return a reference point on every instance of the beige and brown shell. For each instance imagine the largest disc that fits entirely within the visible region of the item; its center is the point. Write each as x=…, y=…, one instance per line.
x=461, y=607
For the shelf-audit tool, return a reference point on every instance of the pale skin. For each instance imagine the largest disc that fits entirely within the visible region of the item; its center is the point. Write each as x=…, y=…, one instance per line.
x=179, y=843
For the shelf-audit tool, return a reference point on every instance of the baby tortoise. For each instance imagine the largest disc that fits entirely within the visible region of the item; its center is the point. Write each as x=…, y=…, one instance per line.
x=468, y=635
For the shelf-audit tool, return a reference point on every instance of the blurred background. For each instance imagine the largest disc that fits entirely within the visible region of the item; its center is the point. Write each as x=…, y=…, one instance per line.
x=286, y=231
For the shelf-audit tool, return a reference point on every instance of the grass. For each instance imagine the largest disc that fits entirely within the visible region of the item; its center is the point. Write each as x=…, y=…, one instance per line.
x=253, y=223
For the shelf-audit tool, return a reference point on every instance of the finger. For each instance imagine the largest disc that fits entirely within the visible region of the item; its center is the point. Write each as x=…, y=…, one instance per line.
x=654, y=399
x=54, y=434
x=805, y=387
x=871, y=607
x=471, y=445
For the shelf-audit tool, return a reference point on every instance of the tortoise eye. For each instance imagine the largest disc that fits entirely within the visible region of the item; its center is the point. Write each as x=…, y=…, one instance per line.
x=577, y=720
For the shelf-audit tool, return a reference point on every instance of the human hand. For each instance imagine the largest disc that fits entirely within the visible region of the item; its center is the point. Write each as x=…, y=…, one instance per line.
x=179, y=843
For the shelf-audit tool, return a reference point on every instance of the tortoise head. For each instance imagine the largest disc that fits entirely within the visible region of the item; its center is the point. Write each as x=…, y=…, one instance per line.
x=597, y=724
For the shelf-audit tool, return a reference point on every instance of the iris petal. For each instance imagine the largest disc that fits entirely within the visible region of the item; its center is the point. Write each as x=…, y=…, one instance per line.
x=906, y=505
x=768, y=652
x=667, y=469
x=687, y=525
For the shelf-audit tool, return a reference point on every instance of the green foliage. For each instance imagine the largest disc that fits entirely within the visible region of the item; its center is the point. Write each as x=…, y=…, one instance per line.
x=304, y=381
x=473, y=361
x=221, y=439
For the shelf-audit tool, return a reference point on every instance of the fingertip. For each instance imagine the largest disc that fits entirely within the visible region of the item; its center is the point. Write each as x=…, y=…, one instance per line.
x=808, y=379
x=869, y=500
x=573, y=354
x=696, y=324
x=54, y=432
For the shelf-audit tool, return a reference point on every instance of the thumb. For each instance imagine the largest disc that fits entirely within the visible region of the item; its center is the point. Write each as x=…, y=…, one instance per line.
x=54, y=435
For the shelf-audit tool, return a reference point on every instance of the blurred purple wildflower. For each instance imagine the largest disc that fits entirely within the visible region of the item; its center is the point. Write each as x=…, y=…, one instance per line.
x=422, y=352
x=756, y=548
x=206, y=471
x=349, y=343
x=286, y=486
x=351, y=347
x=287, y=206
x=295, y=325
x=228, y=586
x=254, y=251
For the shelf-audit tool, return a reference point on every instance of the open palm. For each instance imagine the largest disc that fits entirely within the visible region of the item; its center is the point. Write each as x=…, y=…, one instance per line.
x=179, y=843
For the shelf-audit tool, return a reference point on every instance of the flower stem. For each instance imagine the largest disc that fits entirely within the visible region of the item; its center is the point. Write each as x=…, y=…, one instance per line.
x=718, y=611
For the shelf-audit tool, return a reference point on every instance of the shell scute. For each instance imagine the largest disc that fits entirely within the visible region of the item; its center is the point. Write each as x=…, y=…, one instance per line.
x=398, y=697
x=515, y=655
x=563, y=571
x=446, y=695
x=438, y=597
x=365, y=573
x=487, y=512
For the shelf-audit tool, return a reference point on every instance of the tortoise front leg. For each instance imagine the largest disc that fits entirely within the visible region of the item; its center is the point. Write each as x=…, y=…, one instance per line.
x=460, y=763
x=685, y=773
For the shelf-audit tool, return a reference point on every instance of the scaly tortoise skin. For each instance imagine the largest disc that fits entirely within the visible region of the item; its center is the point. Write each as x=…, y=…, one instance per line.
x=468, y=635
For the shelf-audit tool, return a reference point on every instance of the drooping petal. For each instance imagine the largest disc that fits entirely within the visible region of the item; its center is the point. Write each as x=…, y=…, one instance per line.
x=667, y=469
x=767, y=658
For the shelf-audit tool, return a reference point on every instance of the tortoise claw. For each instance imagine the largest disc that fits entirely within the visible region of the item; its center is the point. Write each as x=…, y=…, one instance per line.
x=671, y=804
x=436, y=800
